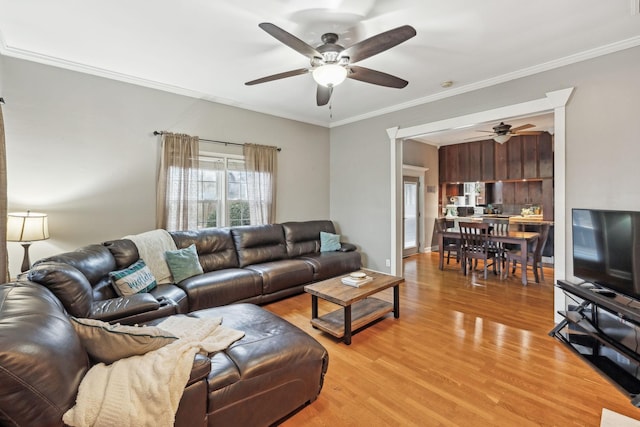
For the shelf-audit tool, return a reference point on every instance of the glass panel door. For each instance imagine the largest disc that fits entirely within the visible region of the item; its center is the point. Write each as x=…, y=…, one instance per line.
x=410, y=216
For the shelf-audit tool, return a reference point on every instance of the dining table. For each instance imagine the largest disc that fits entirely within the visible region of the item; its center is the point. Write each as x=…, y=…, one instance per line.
x=520, y=238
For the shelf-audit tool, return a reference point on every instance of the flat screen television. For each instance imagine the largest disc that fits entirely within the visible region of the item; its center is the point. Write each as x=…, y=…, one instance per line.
x=606, y=249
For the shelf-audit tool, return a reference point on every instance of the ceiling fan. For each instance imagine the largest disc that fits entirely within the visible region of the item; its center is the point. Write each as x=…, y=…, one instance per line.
x=503, y=132
x=331, y=63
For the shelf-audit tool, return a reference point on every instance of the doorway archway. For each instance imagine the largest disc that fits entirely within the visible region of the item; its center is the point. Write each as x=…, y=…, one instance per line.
x=554, y=102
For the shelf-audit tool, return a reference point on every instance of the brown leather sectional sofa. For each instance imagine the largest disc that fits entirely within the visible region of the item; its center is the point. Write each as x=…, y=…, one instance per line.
x=272, y=371
x=254, y=264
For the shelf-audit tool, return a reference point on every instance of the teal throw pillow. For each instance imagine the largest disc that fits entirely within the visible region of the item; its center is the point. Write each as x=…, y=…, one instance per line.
x=329, y=242
x=183, y=263
x=134, y=279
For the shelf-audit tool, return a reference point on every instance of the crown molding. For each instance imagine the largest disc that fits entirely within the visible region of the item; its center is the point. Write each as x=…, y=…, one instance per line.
x=546, y=66
x=101, y=72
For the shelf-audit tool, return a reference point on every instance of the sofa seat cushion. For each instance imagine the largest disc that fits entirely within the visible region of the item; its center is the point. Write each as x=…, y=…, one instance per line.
x=221, y=287
x=283, y=274
x=269, y=373
x=330, y=264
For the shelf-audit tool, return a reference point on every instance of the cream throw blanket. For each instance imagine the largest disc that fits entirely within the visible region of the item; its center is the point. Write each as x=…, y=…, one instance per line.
x=145, y=390
x=151, y=246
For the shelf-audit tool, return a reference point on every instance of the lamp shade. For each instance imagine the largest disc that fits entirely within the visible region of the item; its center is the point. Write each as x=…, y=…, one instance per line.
x=501, y=139
x=330, y=75
x=27, y=226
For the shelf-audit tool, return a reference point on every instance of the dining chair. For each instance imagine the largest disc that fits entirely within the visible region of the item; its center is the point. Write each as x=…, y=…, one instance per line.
x=499, y=226
x=534, y=259
x=449, y=245
x=475, y=244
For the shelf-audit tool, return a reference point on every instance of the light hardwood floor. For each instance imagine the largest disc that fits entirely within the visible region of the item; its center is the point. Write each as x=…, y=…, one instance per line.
x=464, y=352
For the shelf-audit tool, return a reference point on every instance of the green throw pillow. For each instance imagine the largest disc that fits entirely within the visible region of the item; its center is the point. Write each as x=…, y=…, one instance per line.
x=134, y=279
x=329, y=242
x=183, y=263
x=107, y=343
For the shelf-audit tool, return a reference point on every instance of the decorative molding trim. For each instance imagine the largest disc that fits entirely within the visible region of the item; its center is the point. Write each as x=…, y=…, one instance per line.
x=28, y=55
x=546, y=66
x=552, y=100
x=415, y=169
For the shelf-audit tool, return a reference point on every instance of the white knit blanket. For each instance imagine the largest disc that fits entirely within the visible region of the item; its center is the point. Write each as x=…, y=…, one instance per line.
x=151, y=246
x=146, y=390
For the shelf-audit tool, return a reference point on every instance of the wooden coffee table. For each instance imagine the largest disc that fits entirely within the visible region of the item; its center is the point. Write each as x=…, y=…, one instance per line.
x=359, y=307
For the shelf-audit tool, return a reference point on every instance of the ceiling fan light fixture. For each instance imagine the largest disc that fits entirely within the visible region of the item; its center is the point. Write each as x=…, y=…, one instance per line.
x=501, y=139
x=330, y=75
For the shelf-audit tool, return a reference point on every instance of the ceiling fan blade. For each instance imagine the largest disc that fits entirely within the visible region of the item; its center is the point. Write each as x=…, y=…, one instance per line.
x=523, y=127
x=488, y=131
x=368, y=75
x=378, y=43
x=290, y=40
x=529, y=132
x=323, y=95
x=278, y=76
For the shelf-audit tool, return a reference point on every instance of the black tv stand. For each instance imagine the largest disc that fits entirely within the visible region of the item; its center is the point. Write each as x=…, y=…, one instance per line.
x=593, y=330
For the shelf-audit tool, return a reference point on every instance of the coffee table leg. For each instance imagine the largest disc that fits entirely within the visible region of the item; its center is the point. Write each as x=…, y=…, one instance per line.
x=314, y=307
x=396, y=301
x=347, y=325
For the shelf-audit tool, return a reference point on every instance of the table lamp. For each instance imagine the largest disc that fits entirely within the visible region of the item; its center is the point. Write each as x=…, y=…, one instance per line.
x=27, y=227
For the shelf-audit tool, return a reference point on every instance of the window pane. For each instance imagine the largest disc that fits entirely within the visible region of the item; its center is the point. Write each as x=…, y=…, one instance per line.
x=210, y=192
x=237, y=193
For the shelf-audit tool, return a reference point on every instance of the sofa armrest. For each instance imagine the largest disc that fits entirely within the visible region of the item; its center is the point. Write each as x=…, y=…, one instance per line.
x=118, y=308
x=200, y=369
x=347, y=247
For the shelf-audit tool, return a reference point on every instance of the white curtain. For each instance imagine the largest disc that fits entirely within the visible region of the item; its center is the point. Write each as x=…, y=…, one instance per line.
x=177, y=192
x=261, y=164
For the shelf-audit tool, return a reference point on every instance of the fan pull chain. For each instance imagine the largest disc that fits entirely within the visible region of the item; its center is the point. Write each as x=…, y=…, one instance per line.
x=330, y=110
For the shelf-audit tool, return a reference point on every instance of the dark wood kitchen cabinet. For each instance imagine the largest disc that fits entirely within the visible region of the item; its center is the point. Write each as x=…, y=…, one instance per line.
x=500, y=161
x=475, y=161
x=514, y=158
x=529, y=156
x=522, y=157
x=545, y=155
x=528, y=193
x=488, y=160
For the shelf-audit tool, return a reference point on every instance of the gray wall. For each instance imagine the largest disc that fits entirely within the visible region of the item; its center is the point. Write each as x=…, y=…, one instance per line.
x=81, y=149
x=602, y=134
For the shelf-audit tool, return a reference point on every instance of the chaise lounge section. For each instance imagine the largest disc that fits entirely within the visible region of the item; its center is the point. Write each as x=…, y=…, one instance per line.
x=270, y=373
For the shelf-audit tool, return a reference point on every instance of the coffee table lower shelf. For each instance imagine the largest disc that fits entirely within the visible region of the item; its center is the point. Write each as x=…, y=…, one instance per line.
x=362, y=313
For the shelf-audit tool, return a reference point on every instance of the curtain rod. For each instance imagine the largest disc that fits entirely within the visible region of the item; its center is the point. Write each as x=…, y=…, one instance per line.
x=155, y=132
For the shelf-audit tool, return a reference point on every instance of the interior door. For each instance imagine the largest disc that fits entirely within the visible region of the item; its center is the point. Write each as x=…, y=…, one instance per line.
x=410, y=215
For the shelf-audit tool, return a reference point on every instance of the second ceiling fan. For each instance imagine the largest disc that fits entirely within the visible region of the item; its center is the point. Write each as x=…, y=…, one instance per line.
x=503, y=132
x=331, y=63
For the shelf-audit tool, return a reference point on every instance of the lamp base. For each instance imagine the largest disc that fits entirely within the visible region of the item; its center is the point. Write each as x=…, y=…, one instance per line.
x=26, y=263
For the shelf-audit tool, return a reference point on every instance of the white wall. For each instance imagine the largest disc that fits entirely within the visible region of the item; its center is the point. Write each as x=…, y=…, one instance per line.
x=602, y=138
x=81, y=149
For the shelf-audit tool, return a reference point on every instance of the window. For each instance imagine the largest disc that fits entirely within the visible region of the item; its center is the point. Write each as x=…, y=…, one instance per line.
x=222, y=191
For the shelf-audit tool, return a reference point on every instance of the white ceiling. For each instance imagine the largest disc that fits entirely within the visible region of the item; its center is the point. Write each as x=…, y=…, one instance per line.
x=208, y=49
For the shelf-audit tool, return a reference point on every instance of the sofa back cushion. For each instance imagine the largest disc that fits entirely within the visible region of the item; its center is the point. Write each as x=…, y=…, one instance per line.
x=304, y=237
x=95, y=262
x=124, y=252
x=214, y=246
x=41, y=358
x=67, y=283
x=256, y=244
